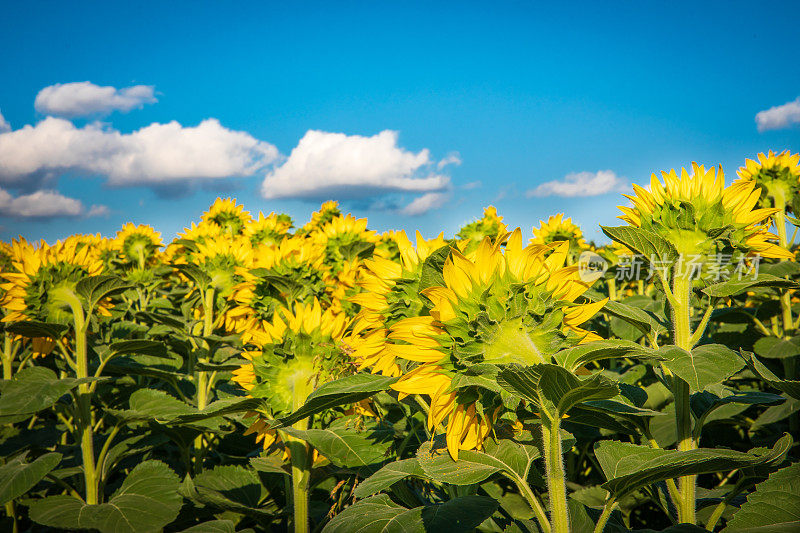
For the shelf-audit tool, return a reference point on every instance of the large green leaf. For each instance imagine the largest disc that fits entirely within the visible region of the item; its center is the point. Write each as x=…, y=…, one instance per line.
x=32, y=390
x=95, y=288
x=574, y=358
x=773, y=507
x=472, y=466
x=348, y=447
x=790, y=387
x=18, y=477
x=704, y=404
x=379, y=514
x=388, y=475
x=704, y=366
x=733, y=287
x=148, y=500
x=225, y=406
x=32, y=329
x=346, y=390
x=776, y=413
x=212, y=526
x=629, y=467
x=553, y=388
x=139, y=346
x=776, y=348
x=151, y=404
x=230, y=488
x=642, y=241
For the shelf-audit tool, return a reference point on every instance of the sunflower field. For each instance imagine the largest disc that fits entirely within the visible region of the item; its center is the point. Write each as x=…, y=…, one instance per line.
x=255, y=375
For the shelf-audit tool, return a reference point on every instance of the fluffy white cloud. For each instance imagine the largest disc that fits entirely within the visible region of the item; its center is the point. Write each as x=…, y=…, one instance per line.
x=84, y=98
x=779, y=117
x=154, y=155
x=349, y=166
x=425, y=203
x=581, y=184
x=45, y=204
x=4, y=126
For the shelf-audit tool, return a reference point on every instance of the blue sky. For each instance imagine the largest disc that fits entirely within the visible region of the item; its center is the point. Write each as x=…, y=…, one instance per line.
x=520, y=93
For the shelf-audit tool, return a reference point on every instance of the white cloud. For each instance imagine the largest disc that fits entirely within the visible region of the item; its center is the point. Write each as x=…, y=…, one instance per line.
x=98, y=211
x=581, y=184
x=4, y=126
x=154, y=155
x=326, y=164
x=84, y=98
x=425, y=203
x=44, y=204
x=779, y=117
x=452, y=159
x=472, y=185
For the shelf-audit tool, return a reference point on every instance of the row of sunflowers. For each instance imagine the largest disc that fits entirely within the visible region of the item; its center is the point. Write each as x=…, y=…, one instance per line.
x=252, y=375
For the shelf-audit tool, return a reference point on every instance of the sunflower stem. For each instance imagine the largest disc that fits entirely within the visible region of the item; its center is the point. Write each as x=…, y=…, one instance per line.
x=8, y=357
x=534, y=502
x=556, y=480
x=682, y=337
x=609, y=507
x=201, y=376
x=301, y=464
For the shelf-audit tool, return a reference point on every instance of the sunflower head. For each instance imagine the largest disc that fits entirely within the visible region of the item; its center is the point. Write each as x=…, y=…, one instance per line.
x=269, y=230
x=327, y=212
x=517, y=305
x=490, y=225
x=230, y=218
x=299, y=354
x=778, y=175
x=277, y=275
x=701, y=217
x=6, y=256
x=137, y=244
x=390, y=293
x=345, y=238
x=557, y=228
x=220, y=259
x=41, y=284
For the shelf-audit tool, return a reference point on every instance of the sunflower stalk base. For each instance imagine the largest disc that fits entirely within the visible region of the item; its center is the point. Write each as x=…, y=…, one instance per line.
x=556, y=480
x=682, y=331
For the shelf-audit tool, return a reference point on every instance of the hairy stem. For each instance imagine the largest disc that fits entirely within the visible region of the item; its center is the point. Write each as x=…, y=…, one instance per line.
x=556, y=482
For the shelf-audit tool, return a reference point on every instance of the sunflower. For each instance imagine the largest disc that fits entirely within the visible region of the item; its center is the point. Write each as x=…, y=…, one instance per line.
x=270, y=229
x=391, y=293
x=701, y=217
x=137, y=244
x=298, y=354
x=345, y=238
x=229, y=217
x=42, y=281
x=220, y=258
x=490, y=225
x=557, y=228
x=290, y=272
x=778, y=175
x=512, y=306
x=6, y=257
x=327, y=212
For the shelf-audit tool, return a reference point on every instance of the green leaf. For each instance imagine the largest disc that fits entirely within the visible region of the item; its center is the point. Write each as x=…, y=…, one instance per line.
x=645, y=320
x=388, y=476
x=773, y=507
x=705, y=403
x=776, y=348
x=32, y=329
x=18, y=477
x=431, y=273
x=197, y=276
x=269, y=465
x=733, y=287
x=378, y=514
x=776, y=413
x=642, y=241
x=95, y=288
x=212, y=526
x=702, y=367
x=629, y=467
x=225, y=406
x=32, y=390
x=472, y=466
x=230, y=488
x=346, y=390
x=142, y=347
x=574, y=358
x=151, y=404
x=148, y=500
x=553, y=388
x=348, y=447
x=790, y=387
